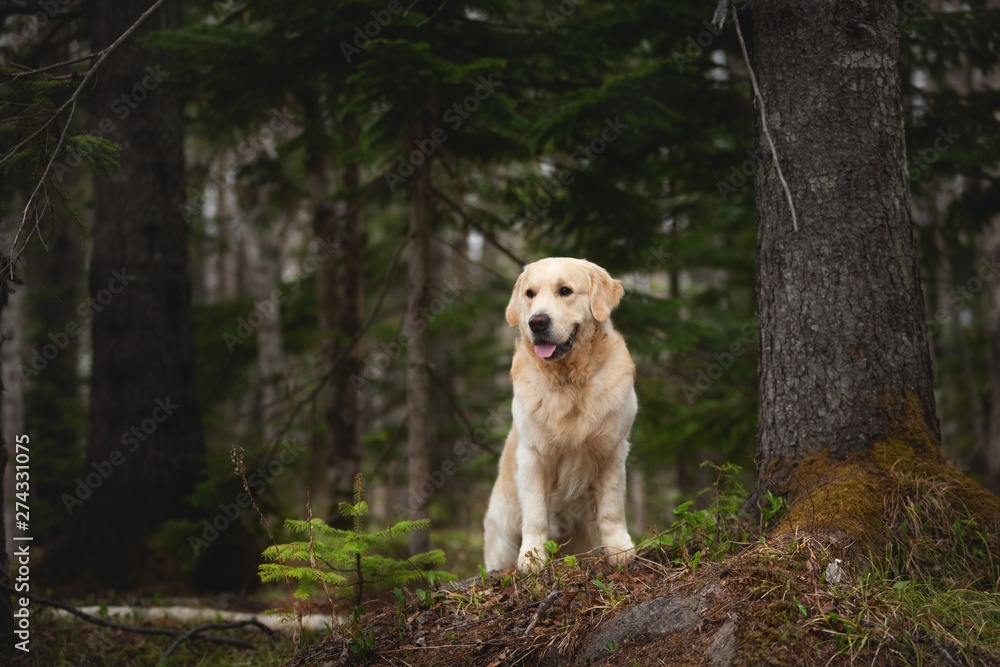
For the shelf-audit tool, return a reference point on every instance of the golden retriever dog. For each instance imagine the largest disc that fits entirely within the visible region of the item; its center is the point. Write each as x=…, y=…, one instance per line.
x=562, y=472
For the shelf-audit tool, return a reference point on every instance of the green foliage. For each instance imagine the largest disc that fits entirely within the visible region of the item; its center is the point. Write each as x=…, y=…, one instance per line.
x=333, y=557
x=98, y=153
x=714, y=532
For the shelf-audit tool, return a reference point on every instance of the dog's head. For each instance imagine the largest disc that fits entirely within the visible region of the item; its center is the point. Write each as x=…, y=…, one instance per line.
x=559, y=298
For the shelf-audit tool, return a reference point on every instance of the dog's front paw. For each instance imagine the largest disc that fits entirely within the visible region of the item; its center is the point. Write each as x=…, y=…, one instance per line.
x=532, y=559
x=620, y=554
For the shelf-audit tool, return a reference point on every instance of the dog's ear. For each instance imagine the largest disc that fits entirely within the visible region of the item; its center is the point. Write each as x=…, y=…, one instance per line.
x=605, y=293
x=512, y=314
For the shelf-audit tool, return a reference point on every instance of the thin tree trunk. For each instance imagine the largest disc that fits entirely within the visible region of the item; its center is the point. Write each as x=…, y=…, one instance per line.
x=227, y=257
x=264, y=250
x=145, y=419
x=842, y=333
x=327, y=277
x=417, y=380
x=345, y=414
x=993, y=440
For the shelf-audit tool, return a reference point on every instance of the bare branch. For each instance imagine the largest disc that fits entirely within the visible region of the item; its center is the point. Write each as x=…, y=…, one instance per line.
x=71, y=105
x=763, y=119
x=65, y=63
x=355, y=339
x=472, y=223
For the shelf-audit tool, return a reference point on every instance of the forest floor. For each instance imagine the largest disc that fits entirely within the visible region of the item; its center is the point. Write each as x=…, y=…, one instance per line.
x=768, y=602
x=711, y=589
x=773, y=603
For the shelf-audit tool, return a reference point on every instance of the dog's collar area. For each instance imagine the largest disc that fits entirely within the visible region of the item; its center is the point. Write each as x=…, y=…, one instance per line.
x=563, y=348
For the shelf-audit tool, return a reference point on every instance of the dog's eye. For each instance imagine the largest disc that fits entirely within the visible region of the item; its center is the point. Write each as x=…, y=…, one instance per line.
x=530, y=294
x=565, y=291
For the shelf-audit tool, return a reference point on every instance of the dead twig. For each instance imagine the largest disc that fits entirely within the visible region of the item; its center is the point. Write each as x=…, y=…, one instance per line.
x=543, y=608
x=193, y=632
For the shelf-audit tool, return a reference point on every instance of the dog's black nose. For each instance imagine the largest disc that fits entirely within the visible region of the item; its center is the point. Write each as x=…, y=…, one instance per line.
x=539, y=322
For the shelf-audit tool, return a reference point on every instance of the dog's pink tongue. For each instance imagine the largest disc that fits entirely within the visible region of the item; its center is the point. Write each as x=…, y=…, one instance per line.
x=545, y=350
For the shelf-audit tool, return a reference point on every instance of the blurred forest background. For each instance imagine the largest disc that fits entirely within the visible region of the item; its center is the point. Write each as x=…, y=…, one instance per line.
x=355, y=171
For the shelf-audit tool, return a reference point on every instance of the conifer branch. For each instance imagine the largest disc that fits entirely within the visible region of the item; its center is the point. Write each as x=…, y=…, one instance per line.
x=69, y=104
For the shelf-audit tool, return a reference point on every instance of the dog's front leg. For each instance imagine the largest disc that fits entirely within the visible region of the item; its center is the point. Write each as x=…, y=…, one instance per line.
x=615, y=540
x=533, y=496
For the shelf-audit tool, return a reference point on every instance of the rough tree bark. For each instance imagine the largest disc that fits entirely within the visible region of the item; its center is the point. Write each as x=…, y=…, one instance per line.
x=417, y=378
x=846, y=379
x=7, y=638
x=145, y=420
x=841, y=318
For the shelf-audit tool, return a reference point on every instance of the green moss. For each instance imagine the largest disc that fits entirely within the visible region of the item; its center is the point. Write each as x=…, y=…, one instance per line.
x=851, y=500
x=841, y=499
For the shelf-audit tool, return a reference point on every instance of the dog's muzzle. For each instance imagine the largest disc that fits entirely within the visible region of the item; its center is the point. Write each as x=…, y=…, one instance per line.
x=549, y=350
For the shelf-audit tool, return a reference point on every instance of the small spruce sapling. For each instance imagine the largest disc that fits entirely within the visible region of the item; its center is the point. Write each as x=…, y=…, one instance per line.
x=347, y=559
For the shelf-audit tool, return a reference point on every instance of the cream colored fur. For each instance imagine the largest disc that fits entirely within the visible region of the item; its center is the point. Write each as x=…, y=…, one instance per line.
x=562, y=472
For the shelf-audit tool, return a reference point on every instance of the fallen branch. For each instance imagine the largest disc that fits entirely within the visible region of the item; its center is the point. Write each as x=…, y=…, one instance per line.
x=131, y=628
x=193, y=632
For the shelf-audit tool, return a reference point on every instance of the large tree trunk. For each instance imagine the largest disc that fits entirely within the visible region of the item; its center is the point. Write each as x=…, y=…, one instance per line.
x=843, y=345
x=7, y=638
x=12, y=326
x=145, y=422
x=417, y=377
